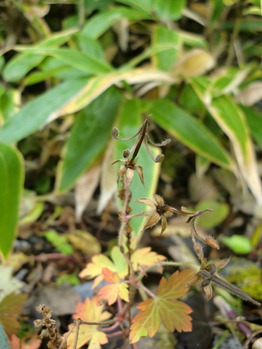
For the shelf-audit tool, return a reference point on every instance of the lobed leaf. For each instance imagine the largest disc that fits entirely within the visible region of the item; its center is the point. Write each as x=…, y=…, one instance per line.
x=10, y=308
x=115, y=289
x=164, y=309
x=89, y=311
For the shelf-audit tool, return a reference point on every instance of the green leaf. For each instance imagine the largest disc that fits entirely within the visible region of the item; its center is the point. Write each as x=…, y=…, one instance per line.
x=39, y=111
x=21, y=64
x=211, y=220
x=3, y=339
x=129, y=122
x=76, y=59
x=232, y=121
x=189, y=130
x=163, y=35
x=169, y=9
x=144, y=5
x=238, y=244
x=11, y=184
x=59, y=241
x=254, y=120
x=89, y=136
x=70, y=97
x=100, y=23
x=8, y=101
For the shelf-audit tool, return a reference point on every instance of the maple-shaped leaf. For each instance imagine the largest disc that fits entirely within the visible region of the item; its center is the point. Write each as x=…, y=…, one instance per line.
x=10, y=309
x=144, y=257
x=89, y=311
x=28, y=342
x=164, y=308
x=117, y=265
x=140, y=259
x=115, y=289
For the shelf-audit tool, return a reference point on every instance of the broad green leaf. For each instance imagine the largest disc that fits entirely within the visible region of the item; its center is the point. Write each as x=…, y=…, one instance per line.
x=189, y=130
x=11, y=184
x=232, y=121
x=90, y=46
x=70, y=97
x=129, y=122
x=169, y=9
x=90, y=134
x=163, y=35
x=22, y=63
x=238, y=243
x=254, y=120
x=36, y=113
x=3, y=339
x=100, y=23
x=75, y=59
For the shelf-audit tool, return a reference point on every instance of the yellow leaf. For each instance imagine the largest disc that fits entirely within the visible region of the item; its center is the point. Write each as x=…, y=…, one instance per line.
x=164, y=308
x=89, y=311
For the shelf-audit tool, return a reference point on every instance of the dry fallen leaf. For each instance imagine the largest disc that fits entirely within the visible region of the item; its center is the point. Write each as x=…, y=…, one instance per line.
x=194, y=63
x=85, y=187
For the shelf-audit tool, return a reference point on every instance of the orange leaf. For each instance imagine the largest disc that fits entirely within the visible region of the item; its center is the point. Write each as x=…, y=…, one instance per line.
x=164, y=308
x=144, y=257
x=10, y=309
x=32, y=342
x=89, y=311
x=115, y=290
x=99, y=262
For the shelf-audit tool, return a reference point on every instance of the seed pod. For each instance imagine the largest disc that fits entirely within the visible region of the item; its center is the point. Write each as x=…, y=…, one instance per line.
x=126, y=153
x=159, y=158
x=115, y=133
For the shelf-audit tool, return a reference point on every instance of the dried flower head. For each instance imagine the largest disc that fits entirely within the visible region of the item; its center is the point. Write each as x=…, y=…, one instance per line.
x=160, y=212
x=49, y=328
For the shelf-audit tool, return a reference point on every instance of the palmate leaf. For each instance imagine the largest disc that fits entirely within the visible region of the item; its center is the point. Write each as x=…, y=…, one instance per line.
x=89, y=311
x=10, y=309
x=164, y=308
x=115, y=289
x=140, y=259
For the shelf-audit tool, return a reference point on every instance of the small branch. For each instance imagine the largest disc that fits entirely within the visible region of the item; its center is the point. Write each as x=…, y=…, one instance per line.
x=151, y=294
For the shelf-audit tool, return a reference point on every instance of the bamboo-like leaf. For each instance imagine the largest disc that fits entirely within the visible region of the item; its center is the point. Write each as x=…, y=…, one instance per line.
x=39, y=111
x=70, y=97
x=90, y=135
x=232, y=121
x=129, y=121
x=254, y=121
x=82, y=61
x=100, y=23
x=11, y=184
x=189, y=131
x=22, y=63
x=169, y=9
x=162, y=35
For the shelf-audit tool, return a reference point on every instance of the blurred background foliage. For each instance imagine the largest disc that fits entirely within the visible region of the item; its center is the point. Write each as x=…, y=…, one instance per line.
x=71, y=70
